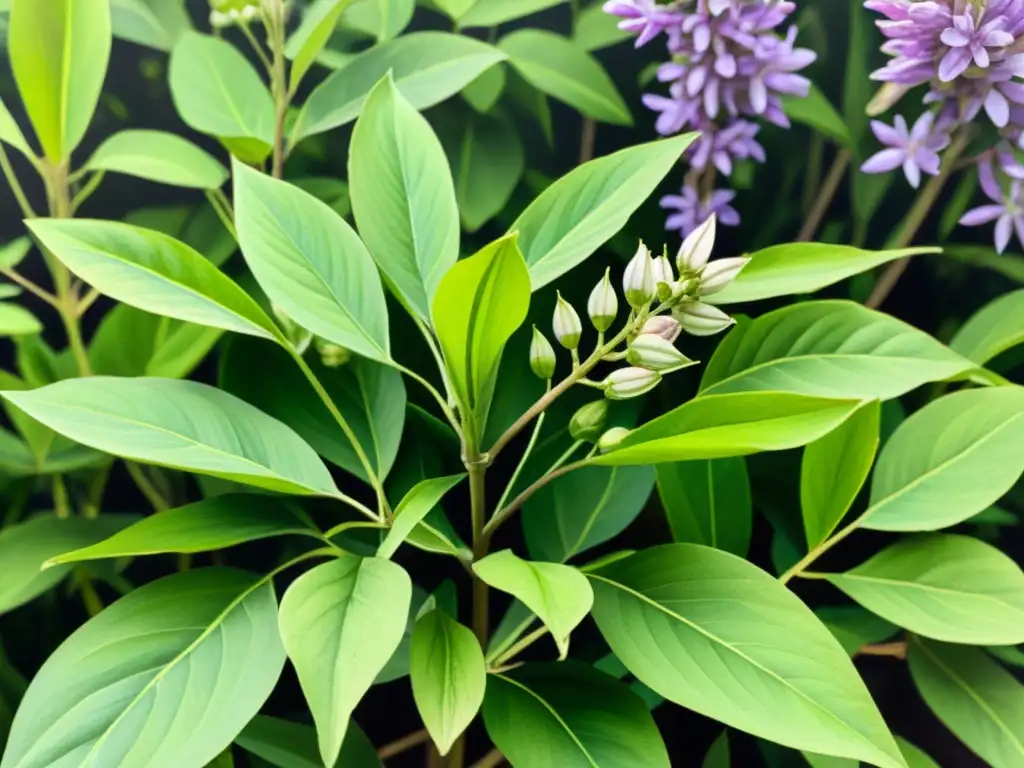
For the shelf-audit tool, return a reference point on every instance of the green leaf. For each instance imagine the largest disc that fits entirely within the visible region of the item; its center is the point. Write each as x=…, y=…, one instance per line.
x=995, y=328
x=817, y=112
x=403, y=197
x=195, y=225
x=487, y=163
x=311, y=263
x=1009, y=265
x=380, y=19
x=479, y=304
x=448, y=676
x=165, y=676
x=153, y=272
x=455, y=9
x=413, y=508
x=305, y=44
x=25, y=547
x=483, y=93
x=218, y=92
x=428, y=67
x=492, y=13
x=979, y=701
x=708, y=502
x=596, y=29
x=715, y=634
x=558, y=594
x=215, y=523
x=182, y=425
x=581, y=211
x=59, y=53
x=855, y=627
x=17, y=321
x=718, y=754
x=11, y=134
x=915, y=757
x=158, y=156
x=569, y=714
x=154, y=23
x=583, y=509
x=564, y=70
x=293, y=745
x=798, y=268
x=834, y=469
x=950, y=588
x=952, y=459
x=832, y=349
x=12, y=253
x=720, y=426
x=340, y=623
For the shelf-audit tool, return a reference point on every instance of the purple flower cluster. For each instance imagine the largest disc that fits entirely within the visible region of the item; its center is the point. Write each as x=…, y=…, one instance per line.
x=728, y=68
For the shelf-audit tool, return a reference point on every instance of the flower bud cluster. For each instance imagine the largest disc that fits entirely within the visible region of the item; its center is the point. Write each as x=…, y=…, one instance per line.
x=226, y=13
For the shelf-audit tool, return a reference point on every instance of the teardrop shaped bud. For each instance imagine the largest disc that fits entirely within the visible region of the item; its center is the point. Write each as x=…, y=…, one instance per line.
x=663, y=272
x=696, y=248
x=588, y=422
x=629, y=382
x=719, y=273
x=603, y=304
x=542, y=356
x=611, y=439
x=638, y=280
x=662, y=325
x=654, y=353
x=699, y=319
x=332, y=355
x=566, y=324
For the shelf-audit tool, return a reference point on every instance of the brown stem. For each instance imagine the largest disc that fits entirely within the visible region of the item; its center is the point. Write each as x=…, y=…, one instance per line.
x=492, y=759
x=825, y=196
x=897, y=650
x=407, y=742
x=588, y=134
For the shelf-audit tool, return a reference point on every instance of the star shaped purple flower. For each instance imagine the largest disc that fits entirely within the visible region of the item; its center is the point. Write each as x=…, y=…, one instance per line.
x=642, y=16
x=691, y=211
x=1006, y=210
x=916, y=149
x=967, y=42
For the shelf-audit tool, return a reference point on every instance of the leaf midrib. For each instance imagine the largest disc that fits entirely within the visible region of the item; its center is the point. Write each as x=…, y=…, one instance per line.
x=903, y=584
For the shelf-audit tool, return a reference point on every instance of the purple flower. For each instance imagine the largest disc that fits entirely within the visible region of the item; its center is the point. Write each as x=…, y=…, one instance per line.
x=691, y=211
x=967, y=42
x=915, y=149
x=1007, y=210
x=721, y=147
x=642, y=16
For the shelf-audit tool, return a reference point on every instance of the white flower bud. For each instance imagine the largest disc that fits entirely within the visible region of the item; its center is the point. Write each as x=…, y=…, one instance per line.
x=588, y=421
x=700, y=319
x=603, y=304
x=663, y=326
x=719, y=273
x=663, y=272
x=638, y=281
x=250, y=13
x=566, y=324
x=696, y=248
x=654, y=353
x=542, y=356
x=612, y=438
x=220, y=20
x=629, y=382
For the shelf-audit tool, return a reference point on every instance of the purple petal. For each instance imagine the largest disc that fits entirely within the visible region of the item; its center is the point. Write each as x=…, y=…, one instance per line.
x=954, y=63
x=758, y=95
x=981, y=215
x=928, y=161
x=900, y=124
x=997, y=108
x=1003, y=231
x=989, y=185
x=981, y=56
x=1018, y=226
x=887, y=134
x=884, y=161
x=998, y=39
x=701, y=38
x=912, y=171
x=711, y=98
x=954, y=38
x=922, y=127
x=695, y=80
x=728, y=216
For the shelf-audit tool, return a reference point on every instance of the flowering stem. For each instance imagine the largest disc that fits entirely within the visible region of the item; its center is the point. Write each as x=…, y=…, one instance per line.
x=29, y=286
x=278, y=83
x=525, y=456
x=519, y=647
x=825, y=196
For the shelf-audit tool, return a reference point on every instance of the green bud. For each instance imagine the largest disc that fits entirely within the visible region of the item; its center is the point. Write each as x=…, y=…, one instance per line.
x=542, y=356
x=588, y=422
x=297, y=336
x=566, y=324
x=603, y=304
x=654, y=353
x=332, y=355
x=612, y=438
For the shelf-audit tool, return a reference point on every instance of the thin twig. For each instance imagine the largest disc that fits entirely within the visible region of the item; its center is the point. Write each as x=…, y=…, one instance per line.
x=492, y=759
x=519, y=647
x=407, y=742
x=12, y=180
x=825, y=195
x=87, y=301
x=588, y=136
x=86, y=191
x=146, y=486
x=29, y=286
x=896, y=650
x=504, y=514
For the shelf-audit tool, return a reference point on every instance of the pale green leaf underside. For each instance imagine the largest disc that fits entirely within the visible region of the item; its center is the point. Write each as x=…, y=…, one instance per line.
x=159, y=156
x=992, y=330
x=410, y=512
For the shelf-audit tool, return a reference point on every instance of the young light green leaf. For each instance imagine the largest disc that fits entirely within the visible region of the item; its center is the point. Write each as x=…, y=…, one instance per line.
x=950, y=588
x=153, y=272
x=487, y=162
x=581, y=211
x=168, y=676
x=428, y=67
x=13, y=252
x=713, y=633
x=305, y=44
x=159, y=156
x=565, y=71
x=816, y=111
x=915, y=757
x=492, y=13
x=340, y=623
x=720, y=426
x=797, y=268
x=992, y=330
x=59, y=53
x=293, y=745
x=979, y=701
x=380, y=19
x=834, y=469
x=413, y=508
x=448, y=676
x=311, y=263
x=832, y=349
x=17, y=321
x=154, y=23
x=570, y=714
x=483, y=93
x=558, y=594
x=596, y=29
x=708, y=502
x=952, y=459
x=11, y=134
x=403, y=197
x=182, y=425
x=455, y=9
x=479, y=304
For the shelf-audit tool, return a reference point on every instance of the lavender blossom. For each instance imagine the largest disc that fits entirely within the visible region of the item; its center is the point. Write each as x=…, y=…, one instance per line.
x=691, y=210
x=1007, y=210
x=916, y=150
x=642, y=16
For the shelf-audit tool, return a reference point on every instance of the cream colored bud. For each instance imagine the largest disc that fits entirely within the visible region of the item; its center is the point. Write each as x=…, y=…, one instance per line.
x=663, y=326
x=219, y=20
x=699, y=319
x=629, y=382
x=612, y=438
x=696, y=248
x=663, y=272
x=588, y=422
x=332, y=355
x=719, y=273
x=603, y=304
x=566, y=324
x=654, y=353
x=542, y=356
x=638, y=280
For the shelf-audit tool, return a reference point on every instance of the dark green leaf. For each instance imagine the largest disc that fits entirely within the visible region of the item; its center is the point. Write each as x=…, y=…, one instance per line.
x=708, y=502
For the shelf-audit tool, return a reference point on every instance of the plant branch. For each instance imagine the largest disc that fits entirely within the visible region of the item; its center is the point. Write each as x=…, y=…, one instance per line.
x=825, y=196
x=896, y=650
x=267, y=63
x=223, y=213
x=448, y=413
x=519, y=647
x=818, y=551
x=146, y=486
x=588, y=135
x=279, y=85
x=15, y=185
x=407, y=742
x=87, y=301
x=522, y=461
x=29, y=286
x=86, y=192
x=492, y=759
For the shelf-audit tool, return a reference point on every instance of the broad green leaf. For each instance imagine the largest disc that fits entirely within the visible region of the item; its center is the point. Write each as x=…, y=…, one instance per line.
x=305, y=44
x=718, y=755
x=12, y=253
x=154, y=23
x=952, y=459
x=59, y=53
x=154, y=272
x=397, y=666
x=340, y=623
x=25, y=547
x=720, y=426
x=1009, y=265
x=195, y=225
x=855, y=627
x=582, y=211
x=428, y=67
x=11, y=134
x=293, y=745
x=832, y=349
x=182, y=425
x=448, y=676
x=487, y=164
x=492, y=13
x=713, y=633
x=17, y=321
x=534, y=104
x=166, y=676
x=817, y=112
x=159, y=156
x=218, y=92
x=834, y=469
x=916, y=758
x=583, y=509
x=595, y=29
x=479, y=304
x=558, y=594
x=798, y=268
x=455, y=9
x=311, y=263
x=380, y=19
x=708, y=502
x=215, y=523
x=565, y=71
x=979, y=701
x=184, y=347
x=569, y=714
x=992, y=330
x=483, y=93
x=826, y=761
x=950, y=588
x=413, y=508
x=403, y=198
